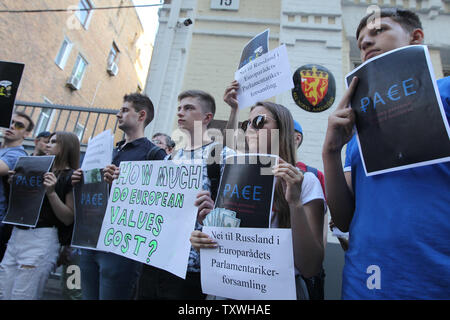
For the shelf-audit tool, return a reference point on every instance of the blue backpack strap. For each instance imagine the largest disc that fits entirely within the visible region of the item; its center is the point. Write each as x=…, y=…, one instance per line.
x=312, y=170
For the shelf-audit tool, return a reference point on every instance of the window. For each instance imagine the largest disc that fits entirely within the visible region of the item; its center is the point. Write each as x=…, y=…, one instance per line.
x=45, y=119
x=113, y=54
x=78, y=130
x=85, y=12
x=63, y=53
x=78, y=71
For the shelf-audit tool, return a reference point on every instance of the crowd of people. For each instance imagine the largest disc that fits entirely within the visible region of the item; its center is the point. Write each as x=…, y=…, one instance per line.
x=396, y=221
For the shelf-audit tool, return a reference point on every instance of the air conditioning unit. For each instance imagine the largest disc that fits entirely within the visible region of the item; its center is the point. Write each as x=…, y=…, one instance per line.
x=113, y=69
x=73, y=83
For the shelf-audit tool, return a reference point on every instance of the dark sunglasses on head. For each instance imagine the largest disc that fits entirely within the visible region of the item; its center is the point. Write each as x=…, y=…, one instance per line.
x=257, y=122
x=18, y=125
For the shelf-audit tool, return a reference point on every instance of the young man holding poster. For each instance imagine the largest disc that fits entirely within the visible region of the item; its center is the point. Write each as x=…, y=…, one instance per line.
x=107, y=276
x=195, y=112
x=11, y=149
x=398, y=221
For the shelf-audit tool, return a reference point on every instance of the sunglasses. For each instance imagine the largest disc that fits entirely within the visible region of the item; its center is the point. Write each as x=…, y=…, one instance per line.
x=157, y=142
x=18, y=125
x=257, y=122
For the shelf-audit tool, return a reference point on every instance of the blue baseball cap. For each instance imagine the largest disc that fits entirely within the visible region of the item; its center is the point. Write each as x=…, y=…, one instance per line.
x=298, y=127
x=44, y=134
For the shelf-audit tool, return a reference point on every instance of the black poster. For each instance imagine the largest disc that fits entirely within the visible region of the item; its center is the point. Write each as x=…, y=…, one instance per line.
x=255, y=48
x=10, y=75
x=246, y=187
x=27, y=190
x=400, y=119
x=91, y=200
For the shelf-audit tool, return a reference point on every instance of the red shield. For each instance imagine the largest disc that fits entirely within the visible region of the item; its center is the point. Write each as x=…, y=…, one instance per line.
x=314, y=85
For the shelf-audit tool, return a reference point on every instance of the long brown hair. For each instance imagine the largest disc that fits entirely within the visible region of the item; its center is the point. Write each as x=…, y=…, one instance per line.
x=287, y=150
x=69, y=155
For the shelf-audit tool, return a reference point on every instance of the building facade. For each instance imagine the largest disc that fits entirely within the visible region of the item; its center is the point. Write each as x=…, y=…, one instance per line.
x=88, y=58
x=205, y=54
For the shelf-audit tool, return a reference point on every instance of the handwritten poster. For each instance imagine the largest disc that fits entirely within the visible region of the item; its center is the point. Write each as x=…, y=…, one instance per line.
x=151, y=213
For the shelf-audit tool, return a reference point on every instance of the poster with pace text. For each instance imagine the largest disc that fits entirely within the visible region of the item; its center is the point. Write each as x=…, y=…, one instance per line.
x=27, y=190
x=90, y=200
x=246, y=187
x=400, y=119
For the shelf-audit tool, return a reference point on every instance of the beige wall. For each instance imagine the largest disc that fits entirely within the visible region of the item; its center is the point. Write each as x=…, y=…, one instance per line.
x=213, y=58
x=35, y=39
x=435, y=57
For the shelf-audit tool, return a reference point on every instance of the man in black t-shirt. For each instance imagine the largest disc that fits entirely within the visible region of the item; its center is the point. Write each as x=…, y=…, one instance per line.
x=107, y=276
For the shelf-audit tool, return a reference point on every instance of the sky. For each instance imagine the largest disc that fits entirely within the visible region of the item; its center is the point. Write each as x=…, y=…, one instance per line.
x=148, y=17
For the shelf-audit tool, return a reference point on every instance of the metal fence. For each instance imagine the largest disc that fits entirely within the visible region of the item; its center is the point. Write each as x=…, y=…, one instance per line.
x=84, y=122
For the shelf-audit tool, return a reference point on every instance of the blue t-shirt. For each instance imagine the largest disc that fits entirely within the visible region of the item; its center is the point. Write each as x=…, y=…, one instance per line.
x=400, y=231
x=8, y=156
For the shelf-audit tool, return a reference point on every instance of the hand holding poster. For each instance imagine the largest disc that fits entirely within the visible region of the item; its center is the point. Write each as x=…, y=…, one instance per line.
x=10, y=75
x=249, y=264
x=400, y=119
x=264, y=77
x=151, y=213
x=27, y=190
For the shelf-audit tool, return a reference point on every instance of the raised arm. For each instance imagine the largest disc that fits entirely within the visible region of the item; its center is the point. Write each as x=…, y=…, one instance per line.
x=340, y=197
x=306, y=220
x=230, y=97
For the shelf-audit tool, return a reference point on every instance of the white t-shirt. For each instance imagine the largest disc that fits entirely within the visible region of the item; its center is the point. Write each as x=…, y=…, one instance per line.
x=311, y=190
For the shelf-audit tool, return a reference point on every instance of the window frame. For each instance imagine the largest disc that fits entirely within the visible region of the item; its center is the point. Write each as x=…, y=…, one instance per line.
x=43, y=116
x=80, y=57
x=87, y=20
x=64, y=56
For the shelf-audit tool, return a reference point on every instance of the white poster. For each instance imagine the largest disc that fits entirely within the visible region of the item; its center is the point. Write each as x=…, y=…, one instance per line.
x=264, y=77
x=249, y=264
x=151, y=213
x=98, y=152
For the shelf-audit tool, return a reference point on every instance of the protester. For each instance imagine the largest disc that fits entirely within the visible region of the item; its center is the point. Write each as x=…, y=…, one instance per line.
x=40, y=143
x=298, y=200
x=31, y=253
x=298, y=137
x=107, y=276
x=164, y=141
x=398, y=221
x=195, y=112
x=11, y=149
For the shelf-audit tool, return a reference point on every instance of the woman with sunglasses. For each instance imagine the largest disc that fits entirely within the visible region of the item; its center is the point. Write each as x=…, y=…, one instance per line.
x=32, y=252
x=298, y=200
